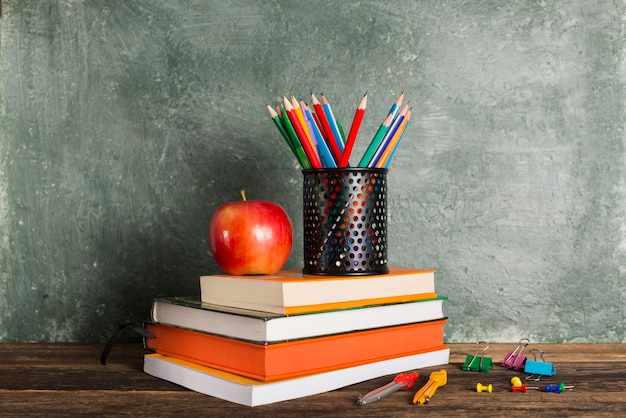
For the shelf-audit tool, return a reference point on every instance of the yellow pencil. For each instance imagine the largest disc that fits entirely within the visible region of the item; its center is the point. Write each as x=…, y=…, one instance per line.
x=300, y=114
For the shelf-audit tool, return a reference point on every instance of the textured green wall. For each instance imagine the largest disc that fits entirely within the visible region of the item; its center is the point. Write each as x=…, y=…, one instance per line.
x=124, y=124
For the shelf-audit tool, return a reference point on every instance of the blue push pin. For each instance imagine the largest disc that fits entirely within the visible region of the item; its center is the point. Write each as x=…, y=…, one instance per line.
x=558, y=388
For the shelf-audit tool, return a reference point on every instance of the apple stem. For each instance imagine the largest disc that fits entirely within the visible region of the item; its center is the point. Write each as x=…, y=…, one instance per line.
x=243, y=194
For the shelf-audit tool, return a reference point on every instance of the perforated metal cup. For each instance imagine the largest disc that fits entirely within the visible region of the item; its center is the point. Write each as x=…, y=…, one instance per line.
x=345, y=221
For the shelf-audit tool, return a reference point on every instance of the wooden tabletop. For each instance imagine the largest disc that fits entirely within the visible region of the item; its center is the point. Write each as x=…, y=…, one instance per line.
x=67, y=379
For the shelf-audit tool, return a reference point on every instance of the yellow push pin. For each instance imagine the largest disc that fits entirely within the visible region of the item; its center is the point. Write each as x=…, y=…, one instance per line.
x=516, y=381
x=482, y=388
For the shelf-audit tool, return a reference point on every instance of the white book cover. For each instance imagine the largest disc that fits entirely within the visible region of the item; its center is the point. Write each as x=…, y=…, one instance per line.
x=250, y=392
x=266, y=327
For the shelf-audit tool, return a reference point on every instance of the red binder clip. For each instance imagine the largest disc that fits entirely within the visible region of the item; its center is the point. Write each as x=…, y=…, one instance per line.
x=514, y=359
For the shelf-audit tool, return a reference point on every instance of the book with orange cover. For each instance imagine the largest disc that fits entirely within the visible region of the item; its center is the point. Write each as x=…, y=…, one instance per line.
x=292, y=292
x=295, y=358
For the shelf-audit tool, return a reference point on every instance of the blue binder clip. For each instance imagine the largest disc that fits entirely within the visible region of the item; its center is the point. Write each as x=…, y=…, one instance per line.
x=514, y=359
x=536, y=368
x=478, y=364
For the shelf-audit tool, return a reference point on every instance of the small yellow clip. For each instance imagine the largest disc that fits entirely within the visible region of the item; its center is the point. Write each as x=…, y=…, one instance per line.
x=435, y=380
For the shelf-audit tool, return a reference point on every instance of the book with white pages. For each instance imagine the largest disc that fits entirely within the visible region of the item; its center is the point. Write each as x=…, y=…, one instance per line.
x=250, y=392
x=269, y=327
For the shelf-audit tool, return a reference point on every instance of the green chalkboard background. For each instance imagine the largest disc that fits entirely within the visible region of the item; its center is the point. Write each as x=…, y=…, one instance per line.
x=125, y=124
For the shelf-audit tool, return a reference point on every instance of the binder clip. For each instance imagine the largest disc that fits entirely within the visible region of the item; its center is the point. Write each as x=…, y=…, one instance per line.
x=514, y=359
x=538, y=368
x=474, y=363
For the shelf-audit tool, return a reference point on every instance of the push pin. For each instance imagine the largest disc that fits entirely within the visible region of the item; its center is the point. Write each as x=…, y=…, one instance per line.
x=522, y=388
x=558, y=388
x=516, y=381
x=482, y=388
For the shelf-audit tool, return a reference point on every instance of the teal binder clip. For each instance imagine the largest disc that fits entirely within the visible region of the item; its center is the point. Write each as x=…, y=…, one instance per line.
x=474, y=363
x=536, y=368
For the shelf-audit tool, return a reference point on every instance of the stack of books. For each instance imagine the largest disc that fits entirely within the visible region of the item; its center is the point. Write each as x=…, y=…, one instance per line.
x=257, y=340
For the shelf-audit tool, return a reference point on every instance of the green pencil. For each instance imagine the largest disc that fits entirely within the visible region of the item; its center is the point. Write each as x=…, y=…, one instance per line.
x=279, y=125
x=299, y=151
x=373, y=146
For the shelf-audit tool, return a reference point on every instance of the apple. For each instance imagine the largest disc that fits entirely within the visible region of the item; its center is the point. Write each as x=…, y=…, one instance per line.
x=250, y=237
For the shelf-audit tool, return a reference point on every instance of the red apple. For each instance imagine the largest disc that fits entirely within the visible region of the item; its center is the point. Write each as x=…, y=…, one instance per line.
x=250, y=237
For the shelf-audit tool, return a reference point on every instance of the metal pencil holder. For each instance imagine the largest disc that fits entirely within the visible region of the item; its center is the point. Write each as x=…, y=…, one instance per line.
x=345, y=221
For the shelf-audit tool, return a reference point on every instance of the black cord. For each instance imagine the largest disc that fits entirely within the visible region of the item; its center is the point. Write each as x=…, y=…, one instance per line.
x=116, y=335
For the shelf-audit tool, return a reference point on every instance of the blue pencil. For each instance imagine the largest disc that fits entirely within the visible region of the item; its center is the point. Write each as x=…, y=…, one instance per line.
x=395, y=147
x=319, y=140
x=328, y=112
x=390, y=132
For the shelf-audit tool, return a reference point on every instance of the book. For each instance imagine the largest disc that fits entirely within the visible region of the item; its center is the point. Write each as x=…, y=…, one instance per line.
x=298, y=357
x=250, y=392
x=258, y=326
x=292, y=292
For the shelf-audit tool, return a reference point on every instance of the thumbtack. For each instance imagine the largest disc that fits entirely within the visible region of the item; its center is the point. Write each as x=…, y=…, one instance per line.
x=522, y=388
x=482, y=388
x=516, y=381
x=558, y=388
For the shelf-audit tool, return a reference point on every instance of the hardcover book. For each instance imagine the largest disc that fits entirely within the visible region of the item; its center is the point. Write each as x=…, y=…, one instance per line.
x=292, y=292
x=299, y=357
x=259, y=326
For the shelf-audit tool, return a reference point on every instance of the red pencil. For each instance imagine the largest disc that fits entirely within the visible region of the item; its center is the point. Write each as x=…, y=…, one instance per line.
x=319, y=112
x=308, y=150
x=354, y=130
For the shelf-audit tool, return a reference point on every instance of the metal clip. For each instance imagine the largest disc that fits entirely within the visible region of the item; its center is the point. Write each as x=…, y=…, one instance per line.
x=515, y=360
x=483, y=364
x=538, y=368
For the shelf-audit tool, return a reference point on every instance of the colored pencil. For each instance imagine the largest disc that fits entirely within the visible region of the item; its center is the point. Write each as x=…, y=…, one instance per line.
x=354, y=130
x=395, y=148
x=318, y=140
x=332, y=122
x=306, y=144
x=380, y=134
x=395, y=107
x=300, y=113
x=390, y=132
x=385, y=158
x=324, y=151
x=302, y=157
x=341, y=133
x=329, y=137
x=279, y=125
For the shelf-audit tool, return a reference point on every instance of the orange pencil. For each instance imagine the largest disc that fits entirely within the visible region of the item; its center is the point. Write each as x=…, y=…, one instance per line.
x=308, y=149
x=300, y=113
x=390, y=133
x=393, y=143
x=354, y=130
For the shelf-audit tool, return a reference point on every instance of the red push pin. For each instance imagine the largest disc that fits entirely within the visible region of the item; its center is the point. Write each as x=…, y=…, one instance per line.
x=522, y=388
